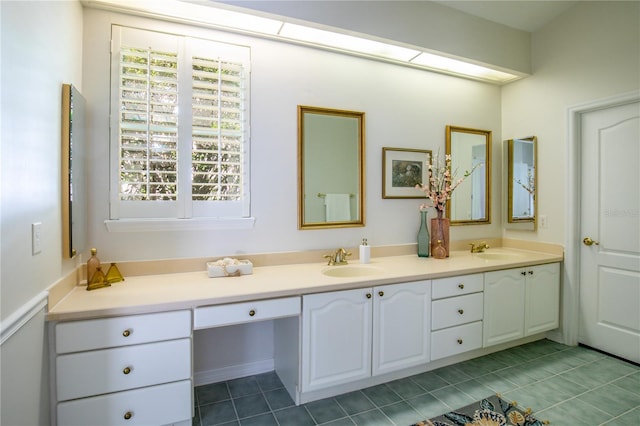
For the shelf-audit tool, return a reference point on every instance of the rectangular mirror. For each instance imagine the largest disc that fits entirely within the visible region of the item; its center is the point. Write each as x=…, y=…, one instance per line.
x=73, y=173
x=330, y=168
x=470, y=203
x=522, y=179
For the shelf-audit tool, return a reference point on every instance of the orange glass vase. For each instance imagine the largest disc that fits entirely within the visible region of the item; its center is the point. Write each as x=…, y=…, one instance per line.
x=440, y=233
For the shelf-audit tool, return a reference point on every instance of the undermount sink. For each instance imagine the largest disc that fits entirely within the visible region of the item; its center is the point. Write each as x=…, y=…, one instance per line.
x=346, y=271
x=498, y=255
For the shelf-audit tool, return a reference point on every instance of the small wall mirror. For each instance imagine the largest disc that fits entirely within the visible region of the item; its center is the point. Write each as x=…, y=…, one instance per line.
x=470, y=203
x=522, y=180
x=330, y=168
x=73, y=176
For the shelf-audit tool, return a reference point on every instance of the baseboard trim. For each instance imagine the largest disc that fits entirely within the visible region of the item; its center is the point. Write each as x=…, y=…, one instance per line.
x=20, y=317
x=232, y=372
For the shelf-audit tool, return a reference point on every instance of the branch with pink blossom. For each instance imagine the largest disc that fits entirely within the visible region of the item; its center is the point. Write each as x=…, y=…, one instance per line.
x=442, y=183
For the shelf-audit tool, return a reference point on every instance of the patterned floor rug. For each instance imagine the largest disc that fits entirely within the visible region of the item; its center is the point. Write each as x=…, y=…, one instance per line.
x=492, y=411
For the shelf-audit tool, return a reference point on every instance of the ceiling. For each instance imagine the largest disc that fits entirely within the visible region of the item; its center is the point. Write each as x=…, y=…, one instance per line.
x=526, y=15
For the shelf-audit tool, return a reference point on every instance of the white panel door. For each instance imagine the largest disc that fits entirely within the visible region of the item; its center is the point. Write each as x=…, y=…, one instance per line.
x=610, y=225
x=401, y=330
x=336, y=338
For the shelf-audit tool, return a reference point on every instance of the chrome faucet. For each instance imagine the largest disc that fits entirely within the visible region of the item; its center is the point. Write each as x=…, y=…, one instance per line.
x=338, y=258
x=479, y=248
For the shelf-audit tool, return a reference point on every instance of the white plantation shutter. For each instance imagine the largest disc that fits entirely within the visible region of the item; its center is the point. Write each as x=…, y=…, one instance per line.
x=179, y=127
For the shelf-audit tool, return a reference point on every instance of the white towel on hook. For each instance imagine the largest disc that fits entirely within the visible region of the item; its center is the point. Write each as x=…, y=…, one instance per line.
x=338, y=207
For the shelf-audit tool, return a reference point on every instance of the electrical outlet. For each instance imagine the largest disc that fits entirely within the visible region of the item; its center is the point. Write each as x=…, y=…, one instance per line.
x=544, y=222
x=36, y=238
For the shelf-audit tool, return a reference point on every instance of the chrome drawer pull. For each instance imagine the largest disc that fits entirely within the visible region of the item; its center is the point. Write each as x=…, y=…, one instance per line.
x=459, y=341
x=127, y=332
x=128, y=415
x=127, y=370
x=461, y=311
x=252, y=312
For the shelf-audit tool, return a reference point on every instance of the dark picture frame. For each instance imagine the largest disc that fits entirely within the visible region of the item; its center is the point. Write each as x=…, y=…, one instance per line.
x=402, y=170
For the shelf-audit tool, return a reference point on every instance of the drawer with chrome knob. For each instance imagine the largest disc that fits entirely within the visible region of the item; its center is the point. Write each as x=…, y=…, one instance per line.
x=457, y=286
x=236, y=313
x=456, y=310
x=111, y=370
x=155, y=405
x=455, y=340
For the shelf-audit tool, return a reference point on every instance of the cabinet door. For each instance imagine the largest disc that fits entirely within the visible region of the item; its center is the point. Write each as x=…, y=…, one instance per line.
x=504, y=295
x=401, y=329
x=542, y=298
x=336, y=338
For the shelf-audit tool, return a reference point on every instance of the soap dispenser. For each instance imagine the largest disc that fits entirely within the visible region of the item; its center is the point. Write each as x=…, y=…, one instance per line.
x=92, y=265
x=365, y=251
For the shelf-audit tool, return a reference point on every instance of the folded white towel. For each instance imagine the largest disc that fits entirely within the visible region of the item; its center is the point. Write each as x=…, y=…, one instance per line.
x=338, y=207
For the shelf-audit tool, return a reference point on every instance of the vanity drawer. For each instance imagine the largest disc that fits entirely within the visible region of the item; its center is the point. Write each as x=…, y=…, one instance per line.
x=237, y=313
x=96, y=372
x=74, y=336
x=456, y=310
x=456, y=286
x=155, y=405
x=456, y=340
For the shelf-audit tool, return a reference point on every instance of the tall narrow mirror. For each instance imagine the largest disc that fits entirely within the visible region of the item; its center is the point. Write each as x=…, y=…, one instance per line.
x=470, y=150
x=73, y=175
x=522, y=179
x=330, y=168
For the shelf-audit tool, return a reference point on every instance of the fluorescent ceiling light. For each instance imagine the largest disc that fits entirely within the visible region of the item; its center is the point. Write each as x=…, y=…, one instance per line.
x=194, y=13
x=210, y=15
x=455, y=66
x=346, y=42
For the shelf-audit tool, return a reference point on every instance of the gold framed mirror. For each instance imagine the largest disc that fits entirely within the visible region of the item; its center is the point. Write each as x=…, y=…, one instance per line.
x=470, y=149
x=73, y=173
x=522, y=180
x=331, y=169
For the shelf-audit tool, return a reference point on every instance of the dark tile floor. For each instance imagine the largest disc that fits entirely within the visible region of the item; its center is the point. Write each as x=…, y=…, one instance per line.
x=562, y=384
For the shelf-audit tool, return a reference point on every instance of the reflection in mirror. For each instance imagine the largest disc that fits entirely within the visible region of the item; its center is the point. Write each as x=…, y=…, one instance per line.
x=330, y=168
x=470, y=203
x=73, y=175
x=522, y=180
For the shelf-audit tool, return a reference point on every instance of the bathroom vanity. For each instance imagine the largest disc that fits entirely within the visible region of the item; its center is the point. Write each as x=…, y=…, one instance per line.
x=123, y=355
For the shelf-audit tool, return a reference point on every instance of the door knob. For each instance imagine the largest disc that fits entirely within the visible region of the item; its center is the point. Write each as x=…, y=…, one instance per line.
x=588, y=241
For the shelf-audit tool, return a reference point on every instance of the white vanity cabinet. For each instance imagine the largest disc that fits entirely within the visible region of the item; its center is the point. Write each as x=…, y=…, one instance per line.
x=456, y=315
x=354, y=334
x=520, y=302
x=130, y=370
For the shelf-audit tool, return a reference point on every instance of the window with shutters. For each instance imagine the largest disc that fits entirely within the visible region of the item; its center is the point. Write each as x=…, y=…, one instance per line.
x=179, y=127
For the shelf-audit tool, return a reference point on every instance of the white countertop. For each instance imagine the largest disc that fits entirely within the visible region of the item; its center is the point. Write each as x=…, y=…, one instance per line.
x=166, y=292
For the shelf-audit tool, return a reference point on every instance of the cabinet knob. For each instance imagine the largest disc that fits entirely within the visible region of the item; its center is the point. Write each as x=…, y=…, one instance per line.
x=381, y=293
x=459, y=341
x=127, y=370
x=252, y=312
x=127, y=332
x=523, y=273
x=128, y=415
x=368, y=295
x=461, y=311
x=530, y=272
x=461, y=286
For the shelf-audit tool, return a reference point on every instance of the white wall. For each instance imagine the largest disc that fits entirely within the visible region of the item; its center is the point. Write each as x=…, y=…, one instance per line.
x=404, y=108
x=41, y=49
x=590, y=52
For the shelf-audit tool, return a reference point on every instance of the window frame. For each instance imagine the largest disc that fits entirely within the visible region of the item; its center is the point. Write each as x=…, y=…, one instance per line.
x=182, y=213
